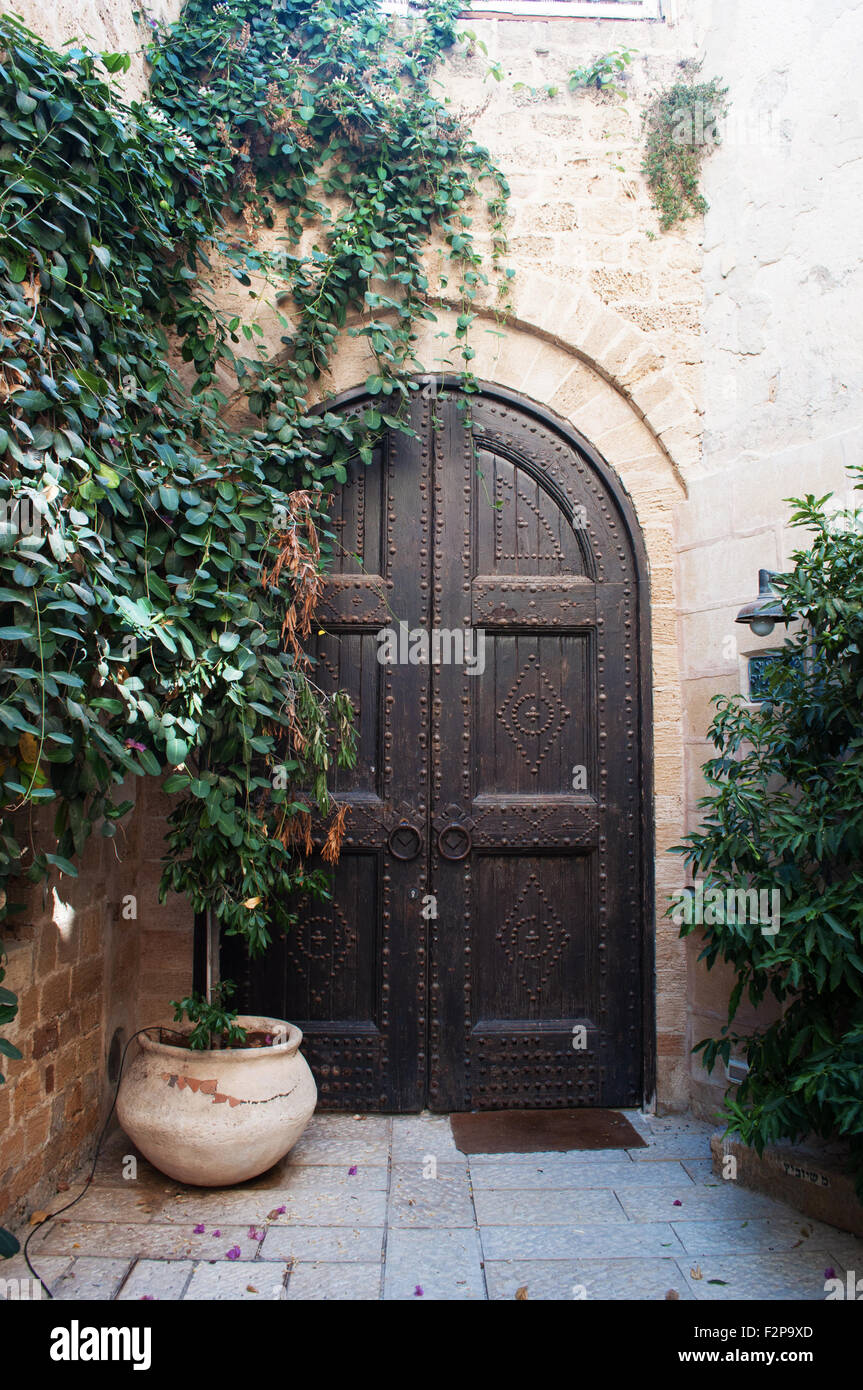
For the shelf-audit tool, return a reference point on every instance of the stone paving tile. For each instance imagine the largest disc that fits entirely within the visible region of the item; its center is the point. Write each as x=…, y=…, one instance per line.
x=417, y=1136
x=112, y=1169
x=444, y=1200
x=296, y=1189
x=701, y=1170
x=502, y=1176
x=444, y=1264
x=612, y=1241
x=694, y=1203
x=323, y=1244
x=91, y=1279
x=245, y=1281
x=845, y=1247
x=365, y=1127
x=558, y=1207
x=554, y=1160
x=756, y=1277
x=336, y=1177
x=585, y=1279
x=682, y=1146
x=321, y=1149
x=164, y=1280
x=758, y=1235
x=319, y=1281
x=658, y=1125
x=155, y=1240
x=102, y=1203
x=50, y=1267
x=338, y=1208
x=228, y=1207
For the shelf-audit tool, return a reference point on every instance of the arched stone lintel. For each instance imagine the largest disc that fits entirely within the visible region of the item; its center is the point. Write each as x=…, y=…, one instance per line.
x=618, y=351
x=583, y=330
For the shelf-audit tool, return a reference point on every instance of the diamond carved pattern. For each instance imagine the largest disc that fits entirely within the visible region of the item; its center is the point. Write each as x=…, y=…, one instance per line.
x=319, y=948
x=534, y=712
x=533, y=942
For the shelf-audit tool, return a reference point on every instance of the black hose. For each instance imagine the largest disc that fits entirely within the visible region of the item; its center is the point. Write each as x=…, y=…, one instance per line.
x=52, y=1215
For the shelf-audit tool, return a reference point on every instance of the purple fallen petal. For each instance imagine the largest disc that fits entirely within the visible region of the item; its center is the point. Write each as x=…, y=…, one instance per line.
x=352, y=1171
x=199, y=1229
x=677, y=1202
x=830, y=1272
x=418, y=1291
x=233, y=1253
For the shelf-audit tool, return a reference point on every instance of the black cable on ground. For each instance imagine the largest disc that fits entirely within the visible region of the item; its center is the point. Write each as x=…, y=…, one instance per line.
x=52, y=1215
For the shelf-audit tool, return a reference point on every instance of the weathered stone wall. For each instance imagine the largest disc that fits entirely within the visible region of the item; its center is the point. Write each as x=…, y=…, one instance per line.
x=107, y=26
x=783, y=370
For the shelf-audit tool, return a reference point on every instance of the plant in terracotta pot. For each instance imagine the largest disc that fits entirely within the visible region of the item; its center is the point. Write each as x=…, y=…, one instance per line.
x=220, y=1098
x=212, y=1102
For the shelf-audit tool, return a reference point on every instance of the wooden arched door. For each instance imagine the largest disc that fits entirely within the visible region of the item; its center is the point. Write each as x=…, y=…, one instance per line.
x=485, y=943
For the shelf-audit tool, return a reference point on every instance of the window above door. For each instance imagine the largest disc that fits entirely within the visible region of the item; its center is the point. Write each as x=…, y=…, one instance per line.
x=551, y=9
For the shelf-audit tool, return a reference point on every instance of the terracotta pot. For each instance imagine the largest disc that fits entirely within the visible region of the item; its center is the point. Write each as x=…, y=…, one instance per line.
x=217, y=1118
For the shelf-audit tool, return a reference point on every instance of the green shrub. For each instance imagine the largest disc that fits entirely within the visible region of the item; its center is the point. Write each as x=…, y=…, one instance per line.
x=784, y=810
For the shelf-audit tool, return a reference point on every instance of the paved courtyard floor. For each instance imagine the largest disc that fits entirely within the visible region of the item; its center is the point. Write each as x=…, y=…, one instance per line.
x=370, y=1207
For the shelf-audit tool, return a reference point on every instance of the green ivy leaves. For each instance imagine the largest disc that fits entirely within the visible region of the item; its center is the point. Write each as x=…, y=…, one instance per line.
x=681, y=131
x=136, y=521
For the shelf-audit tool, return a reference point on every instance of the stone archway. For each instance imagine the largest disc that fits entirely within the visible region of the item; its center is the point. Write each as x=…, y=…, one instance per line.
x=569, y=354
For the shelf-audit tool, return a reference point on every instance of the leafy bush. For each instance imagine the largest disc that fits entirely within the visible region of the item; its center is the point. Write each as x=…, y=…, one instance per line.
x=784, y=811
x=603, y=73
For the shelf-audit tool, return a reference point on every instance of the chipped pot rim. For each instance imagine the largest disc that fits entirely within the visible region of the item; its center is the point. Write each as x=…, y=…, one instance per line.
x=255, y=1022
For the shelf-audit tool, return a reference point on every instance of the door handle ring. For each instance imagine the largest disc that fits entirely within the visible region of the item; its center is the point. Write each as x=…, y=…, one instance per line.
x=404, y=841
x=454, y=841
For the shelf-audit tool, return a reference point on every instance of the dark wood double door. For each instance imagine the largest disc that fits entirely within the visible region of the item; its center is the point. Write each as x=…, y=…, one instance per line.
x=483, y=948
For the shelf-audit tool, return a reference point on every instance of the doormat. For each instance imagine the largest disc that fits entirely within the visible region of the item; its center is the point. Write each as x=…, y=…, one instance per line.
x=543, y=1131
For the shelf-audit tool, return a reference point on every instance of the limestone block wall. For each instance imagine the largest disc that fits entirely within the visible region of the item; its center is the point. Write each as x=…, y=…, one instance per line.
x=107, y=26
x=782, y=290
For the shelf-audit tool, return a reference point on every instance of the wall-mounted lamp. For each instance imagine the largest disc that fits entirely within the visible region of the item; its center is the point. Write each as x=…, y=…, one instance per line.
x=766, y=610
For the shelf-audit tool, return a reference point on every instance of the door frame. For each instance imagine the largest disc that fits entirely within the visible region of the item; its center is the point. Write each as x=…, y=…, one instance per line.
x=626, y=511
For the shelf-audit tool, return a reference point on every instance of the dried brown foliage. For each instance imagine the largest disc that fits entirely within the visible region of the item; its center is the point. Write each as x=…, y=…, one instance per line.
x=298, y=556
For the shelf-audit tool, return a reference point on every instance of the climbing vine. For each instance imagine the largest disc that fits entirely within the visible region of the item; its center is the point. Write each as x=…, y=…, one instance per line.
x=159, y=564
x=680, y=131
